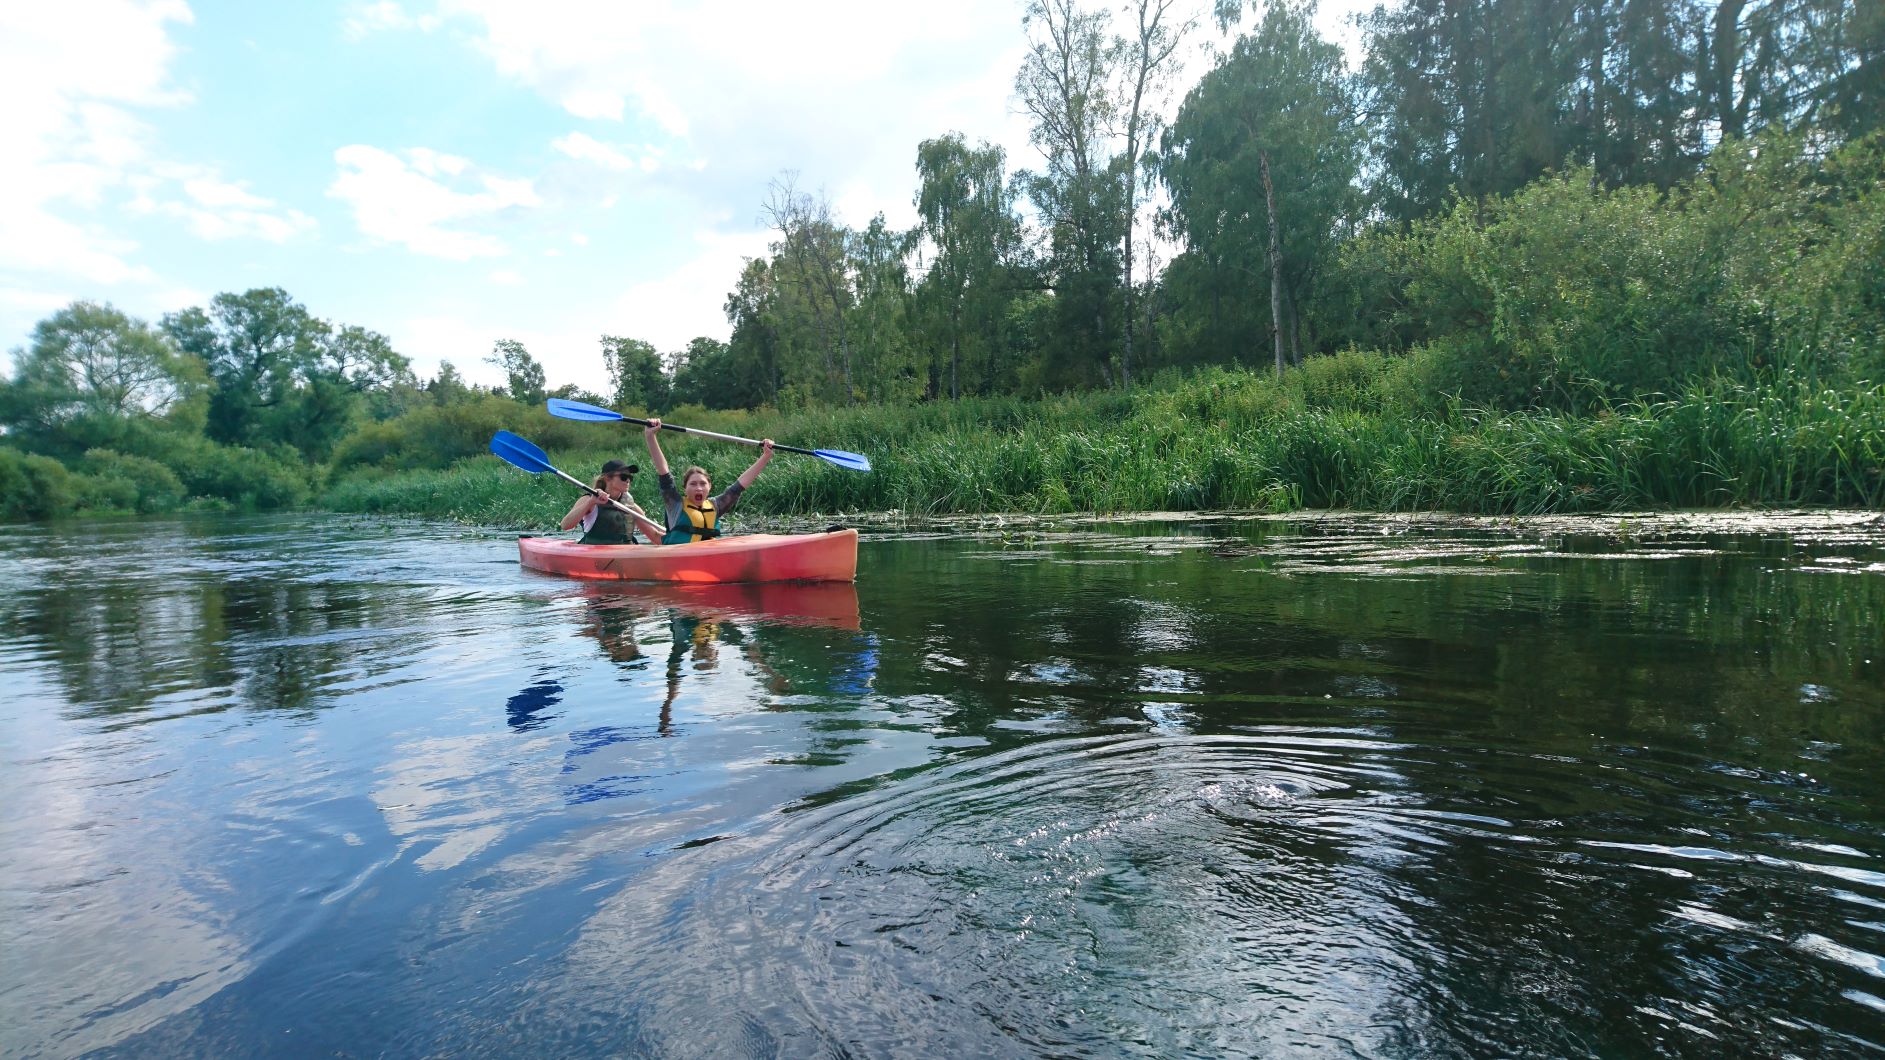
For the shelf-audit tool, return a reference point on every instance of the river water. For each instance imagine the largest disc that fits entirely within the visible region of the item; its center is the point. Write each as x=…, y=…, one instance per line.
x=1353, y=786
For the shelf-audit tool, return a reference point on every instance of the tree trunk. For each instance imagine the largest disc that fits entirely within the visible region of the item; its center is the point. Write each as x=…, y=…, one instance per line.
x=955, y=359
x=1727, y=55
x=1295, y=330
x=1276, y=266
x=1125, y=356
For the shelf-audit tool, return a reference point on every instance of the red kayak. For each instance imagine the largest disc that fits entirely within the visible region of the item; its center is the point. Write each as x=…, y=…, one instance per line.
x=827, y=557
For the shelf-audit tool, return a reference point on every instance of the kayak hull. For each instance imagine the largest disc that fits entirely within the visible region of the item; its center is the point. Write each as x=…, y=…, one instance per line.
x=827, y=557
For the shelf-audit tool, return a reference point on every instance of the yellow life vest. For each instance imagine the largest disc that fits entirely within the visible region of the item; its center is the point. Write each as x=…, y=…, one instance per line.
x=701, y=522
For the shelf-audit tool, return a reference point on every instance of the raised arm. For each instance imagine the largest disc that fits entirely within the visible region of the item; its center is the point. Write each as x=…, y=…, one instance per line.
x=751, y=473
x=652, y=435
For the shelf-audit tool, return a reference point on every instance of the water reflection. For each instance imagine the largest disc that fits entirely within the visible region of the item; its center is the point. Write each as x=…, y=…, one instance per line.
x=161, y=618
x=738, y=646
x=526, y=711
x=1220, y=787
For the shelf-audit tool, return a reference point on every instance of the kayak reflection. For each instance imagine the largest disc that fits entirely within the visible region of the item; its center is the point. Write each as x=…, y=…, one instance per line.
x=731, y=649
x=830, y=604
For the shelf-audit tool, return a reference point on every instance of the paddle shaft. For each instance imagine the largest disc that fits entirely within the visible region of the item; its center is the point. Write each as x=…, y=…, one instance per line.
x=723, y=437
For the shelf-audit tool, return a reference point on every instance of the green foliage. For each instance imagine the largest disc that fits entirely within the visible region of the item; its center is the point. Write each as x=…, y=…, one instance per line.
x=438, y=436
x=245, y=478
x=1280, y=94
x=890, y=357
x=280, y=375
x=633, y=368
x=705, y=373
x=966, y=210
x=524, y=374
x=1476, y=100
x=1066, y=86
x=91, y=374
x=33, y=486
x=1330, y=434
x=132, y=482
x=1573, y=296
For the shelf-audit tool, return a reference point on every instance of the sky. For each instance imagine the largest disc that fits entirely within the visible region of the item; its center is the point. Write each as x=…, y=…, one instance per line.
x=455, y=172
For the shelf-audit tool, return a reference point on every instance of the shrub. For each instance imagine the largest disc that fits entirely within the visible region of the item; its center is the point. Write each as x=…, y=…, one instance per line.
x=439, y=436
x=133, y=482
x=249, y=479
x=33, y=486
x=1571, y=296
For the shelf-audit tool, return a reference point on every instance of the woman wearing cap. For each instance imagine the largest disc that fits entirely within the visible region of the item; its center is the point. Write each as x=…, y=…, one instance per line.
x=692, y=515
x=603, y=523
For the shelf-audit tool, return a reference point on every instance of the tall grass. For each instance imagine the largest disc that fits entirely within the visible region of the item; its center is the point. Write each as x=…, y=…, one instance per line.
x=1327, y=436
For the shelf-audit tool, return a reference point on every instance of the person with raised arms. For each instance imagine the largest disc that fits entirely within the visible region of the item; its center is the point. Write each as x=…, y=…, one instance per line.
x=603, y=523
x=693, y=515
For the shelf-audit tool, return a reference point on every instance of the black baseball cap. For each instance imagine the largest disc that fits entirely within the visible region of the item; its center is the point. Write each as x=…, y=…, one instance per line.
x=612, y=466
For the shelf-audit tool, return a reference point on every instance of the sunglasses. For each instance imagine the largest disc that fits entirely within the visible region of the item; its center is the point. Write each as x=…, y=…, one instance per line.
x=625, y=476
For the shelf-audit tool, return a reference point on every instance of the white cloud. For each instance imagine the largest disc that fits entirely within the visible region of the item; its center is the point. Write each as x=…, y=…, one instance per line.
x=82, y=162
x=398, y=200
x=367, y=19
x=507, y=278
x=569, y=352
x=586, y=148
x=434, y=163
x=742, y=89
x=588, y=103
x=216, y=209
x=67, y=71
x=863, y=83
x=689, y=300
x=668, y=312
x=36, y=302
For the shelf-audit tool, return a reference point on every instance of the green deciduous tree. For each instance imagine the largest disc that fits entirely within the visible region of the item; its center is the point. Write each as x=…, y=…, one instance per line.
x=1067, y=87
x=448, y=386
x=755, y=348
x=255, y=344
x=280, y=374
x=972, y=240
x=635, y=378
x=890, y=361
x=1149, y=58
x=92, y=375
x=811, y=274
x=1281, y=94
x=523, y=374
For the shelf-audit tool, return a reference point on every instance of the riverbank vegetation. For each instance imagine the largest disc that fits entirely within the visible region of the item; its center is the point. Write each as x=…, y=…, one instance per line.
x=1500, y=268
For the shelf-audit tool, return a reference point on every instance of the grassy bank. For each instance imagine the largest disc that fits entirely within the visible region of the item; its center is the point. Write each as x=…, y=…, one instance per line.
x=1326, y=436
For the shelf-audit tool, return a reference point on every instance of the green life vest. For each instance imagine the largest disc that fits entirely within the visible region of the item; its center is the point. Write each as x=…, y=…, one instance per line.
x=610, y=528
x=701, y=525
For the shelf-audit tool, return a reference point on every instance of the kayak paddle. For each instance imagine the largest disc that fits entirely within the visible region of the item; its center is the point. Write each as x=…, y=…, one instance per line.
x=521, y=453
x=577, y=410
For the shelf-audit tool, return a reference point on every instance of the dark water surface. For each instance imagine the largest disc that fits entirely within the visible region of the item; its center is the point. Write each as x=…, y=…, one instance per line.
x=305, y=786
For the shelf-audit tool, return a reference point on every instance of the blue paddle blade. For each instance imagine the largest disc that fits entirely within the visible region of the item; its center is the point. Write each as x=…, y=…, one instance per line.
x=520, y=452
x=854, y=461
x=579, y=410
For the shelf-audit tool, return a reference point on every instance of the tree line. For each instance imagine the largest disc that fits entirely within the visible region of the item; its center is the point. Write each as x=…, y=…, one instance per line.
x=1282, y=174
x=1540, y=203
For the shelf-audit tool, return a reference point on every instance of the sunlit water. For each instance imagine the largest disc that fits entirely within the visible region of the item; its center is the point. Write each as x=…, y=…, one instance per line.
x=1213, y=787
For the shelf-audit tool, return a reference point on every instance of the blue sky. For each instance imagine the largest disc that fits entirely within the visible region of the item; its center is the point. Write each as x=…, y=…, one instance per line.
x=459, y=171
